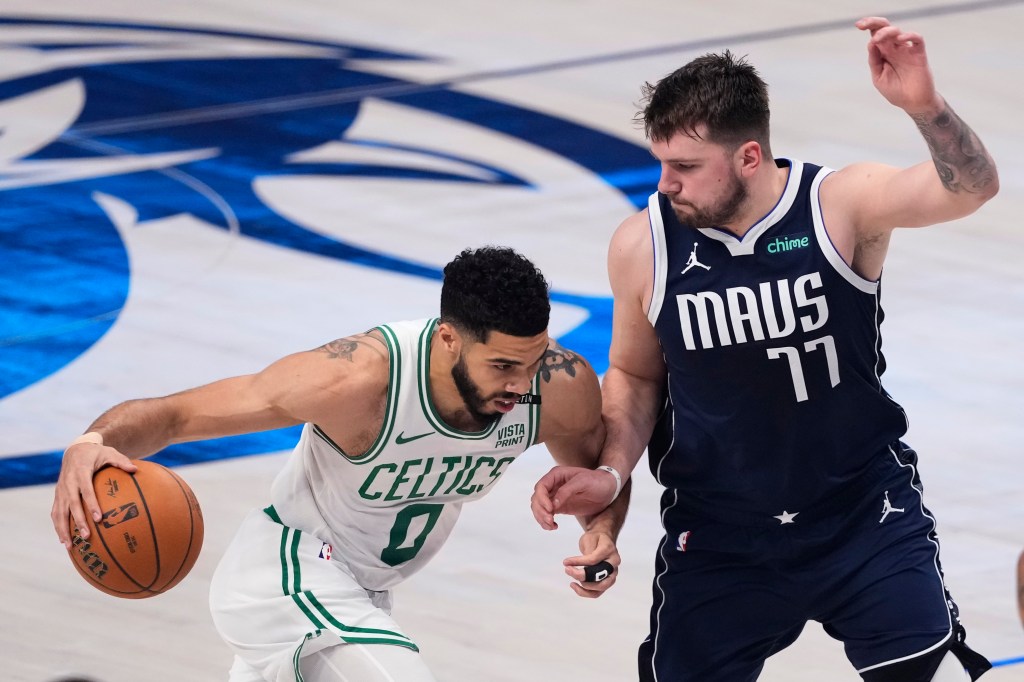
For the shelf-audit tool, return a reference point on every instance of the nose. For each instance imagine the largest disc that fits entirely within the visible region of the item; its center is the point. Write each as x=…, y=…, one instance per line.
x=520, y=384
x=669, y=182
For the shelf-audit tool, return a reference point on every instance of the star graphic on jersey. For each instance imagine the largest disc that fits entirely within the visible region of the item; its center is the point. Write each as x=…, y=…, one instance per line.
x=785, y=517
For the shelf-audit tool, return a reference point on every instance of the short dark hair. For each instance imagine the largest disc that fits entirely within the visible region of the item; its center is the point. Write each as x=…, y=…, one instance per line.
x=494, y=289
x=721, y=91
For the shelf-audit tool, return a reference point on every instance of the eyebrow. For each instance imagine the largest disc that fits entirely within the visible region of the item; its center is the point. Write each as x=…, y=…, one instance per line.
x=673, y=160
x=506, y=361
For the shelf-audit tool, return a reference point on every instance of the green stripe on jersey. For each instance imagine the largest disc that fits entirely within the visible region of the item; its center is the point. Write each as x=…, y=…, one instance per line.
x=390, y=407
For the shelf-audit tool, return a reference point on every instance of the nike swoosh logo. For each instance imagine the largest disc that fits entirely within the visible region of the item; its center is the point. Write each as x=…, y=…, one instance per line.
x=402, y=440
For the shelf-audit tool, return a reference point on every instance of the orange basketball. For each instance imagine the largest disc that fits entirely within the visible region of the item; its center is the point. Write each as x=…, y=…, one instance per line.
x=149, y=536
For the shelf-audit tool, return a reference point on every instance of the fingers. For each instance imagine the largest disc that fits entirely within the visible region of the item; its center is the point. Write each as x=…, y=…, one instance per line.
x=884, y=33
x=59, y=517
x=74, y=498
x=570, y=490
x=540, y=505
x=872, y=23
x=551, y=491
x=893, y=38
x=591, y=589
x=567, y=491
x=597, y=548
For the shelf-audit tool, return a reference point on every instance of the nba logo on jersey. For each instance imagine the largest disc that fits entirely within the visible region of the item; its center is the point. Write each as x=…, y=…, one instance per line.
x=325, y=552
x=683, y=537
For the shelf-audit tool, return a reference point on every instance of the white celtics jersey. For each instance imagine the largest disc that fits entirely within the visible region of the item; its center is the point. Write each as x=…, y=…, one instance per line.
x=388, y=511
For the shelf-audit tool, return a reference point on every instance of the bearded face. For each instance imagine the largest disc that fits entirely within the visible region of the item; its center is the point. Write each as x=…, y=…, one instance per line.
x=715, y=213
x=472, y=396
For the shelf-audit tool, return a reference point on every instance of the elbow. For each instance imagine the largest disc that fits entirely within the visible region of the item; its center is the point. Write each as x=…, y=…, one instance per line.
x=985, y=185
x=968, y=201
x=990, y=189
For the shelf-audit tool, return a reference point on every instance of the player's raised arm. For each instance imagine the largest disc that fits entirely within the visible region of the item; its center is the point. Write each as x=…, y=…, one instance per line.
x=955, y=182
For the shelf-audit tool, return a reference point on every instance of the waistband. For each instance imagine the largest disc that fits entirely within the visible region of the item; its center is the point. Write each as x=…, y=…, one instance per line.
x=831, y=502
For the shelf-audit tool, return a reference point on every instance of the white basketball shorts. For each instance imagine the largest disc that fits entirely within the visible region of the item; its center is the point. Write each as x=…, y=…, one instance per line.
x=279, y=594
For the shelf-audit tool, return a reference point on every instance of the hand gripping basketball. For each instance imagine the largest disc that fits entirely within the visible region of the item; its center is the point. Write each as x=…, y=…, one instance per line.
x=149, y=536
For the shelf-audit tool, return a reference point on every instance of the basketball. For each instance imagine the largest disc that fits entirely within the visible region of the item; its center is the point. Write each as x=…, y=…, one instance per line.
x=149, y=536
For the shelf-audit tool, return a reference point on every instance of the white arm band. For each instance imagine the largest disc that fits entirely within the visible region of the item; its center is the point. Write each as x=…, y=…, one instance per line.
x=618, y=480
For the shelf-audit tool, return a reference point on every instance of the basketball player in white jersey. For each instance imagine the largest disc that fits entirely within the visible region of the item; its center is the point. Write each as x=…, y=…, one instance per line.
x=402, y=424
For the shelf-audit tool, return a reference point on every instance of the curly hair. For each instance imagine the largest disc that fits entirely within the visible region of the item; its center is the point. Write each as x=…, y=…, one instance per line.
x=721, y=91
x=494, y=289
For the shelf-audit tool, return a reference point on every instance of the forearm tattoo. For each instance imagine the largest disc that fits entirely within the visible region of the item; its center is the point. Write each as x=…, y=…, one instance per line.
x=960, y=158
x=559, y=359
x=342, y=348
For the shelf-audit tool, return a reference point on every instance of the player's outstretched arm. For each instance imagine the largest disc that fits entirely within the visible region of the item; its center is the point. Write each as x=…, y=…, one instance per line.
x=292, y=390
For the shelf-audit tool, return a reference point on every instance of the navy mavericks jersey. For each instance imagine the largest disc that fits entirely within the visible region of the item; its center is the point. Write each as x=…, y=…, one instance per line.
x=774, y=359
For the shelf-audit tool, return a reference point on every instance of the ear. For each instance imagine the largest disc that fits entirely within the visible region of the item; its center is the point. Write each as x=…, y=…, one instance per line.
x=449, y=338
x=748, y=157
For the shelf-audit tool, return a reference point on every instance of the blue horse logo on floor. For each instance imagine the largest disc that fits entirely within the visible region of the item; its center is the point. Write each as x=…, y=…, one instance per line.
x=171, y=121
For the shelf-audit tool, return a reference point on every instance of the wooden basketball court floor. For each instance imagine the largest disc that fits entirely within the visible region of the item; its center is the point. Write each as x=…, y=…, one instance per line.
x=201, y=302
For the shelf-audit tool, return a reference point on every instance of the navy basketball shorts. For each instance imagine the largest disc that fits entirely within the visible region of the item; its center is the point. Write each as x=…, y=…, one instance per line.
x=731, y=591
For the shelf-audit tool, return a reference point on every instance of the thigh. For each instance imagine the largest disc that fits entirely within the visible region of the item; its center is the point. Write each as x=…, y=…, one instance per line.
x=277, y=596
x=243, y=672
x=895, y=605
x=717, y=613
x=365, y=663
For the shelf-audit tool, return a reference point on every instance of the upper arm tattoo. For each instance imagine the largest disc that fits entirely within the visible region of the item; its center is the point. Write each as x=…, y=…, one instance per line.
x=960, y=158
x=559, y=359
x=344, y=348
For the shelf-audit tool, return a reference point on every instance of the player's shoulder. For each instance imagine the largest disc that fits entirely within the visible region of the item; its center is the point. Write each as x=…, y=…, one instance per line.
x=367, y=347
x=360, y=360
x=570, y=391
x=634, y=228
x=631, y=240
x=849, y=183
x=564, y=374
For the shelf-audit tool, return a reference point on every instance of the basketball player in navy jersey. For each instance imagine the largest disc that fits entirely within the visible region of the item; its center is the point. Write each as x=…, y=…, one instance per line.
x=746, y=357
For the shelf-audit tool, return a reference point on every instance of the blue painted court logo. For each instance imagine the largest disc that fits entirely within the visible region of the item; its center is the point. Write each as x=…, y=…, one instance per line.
x=107, y=128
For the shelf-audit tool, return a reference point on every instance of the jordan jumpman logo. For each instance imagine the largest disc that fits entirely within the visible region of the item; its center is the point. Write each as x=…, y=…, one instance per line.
x=693, y=261
x=887, y=507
